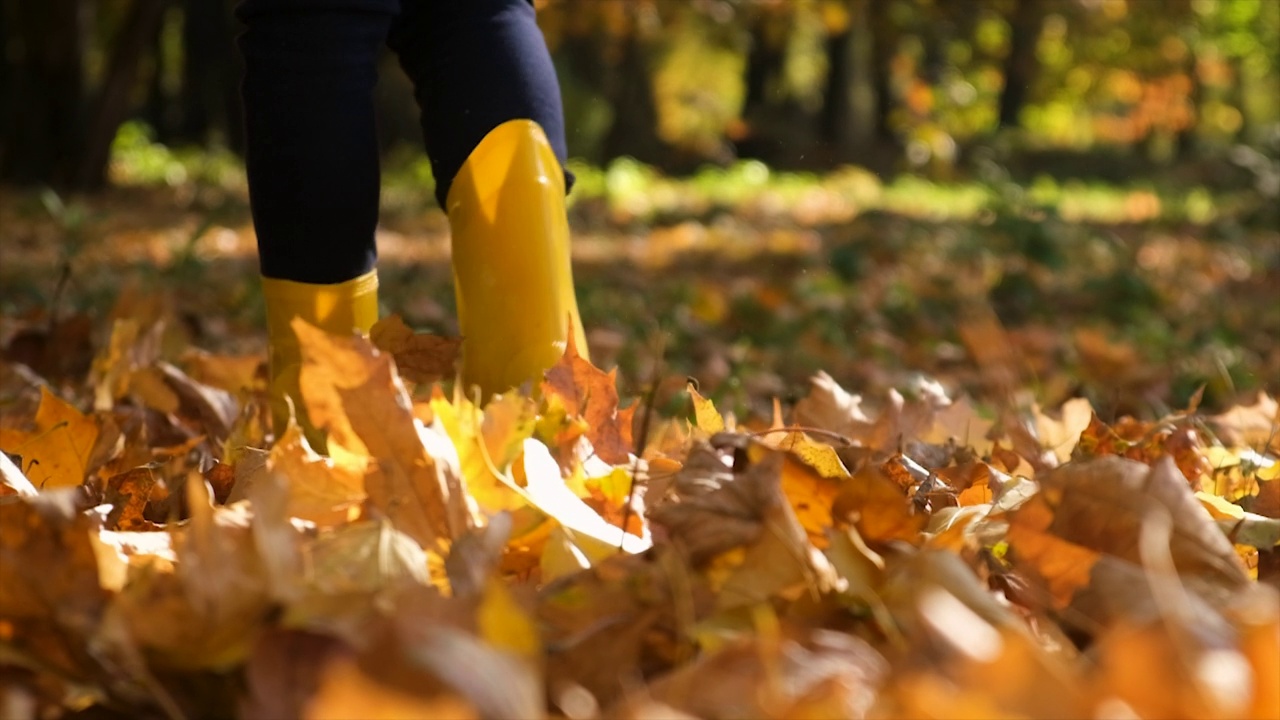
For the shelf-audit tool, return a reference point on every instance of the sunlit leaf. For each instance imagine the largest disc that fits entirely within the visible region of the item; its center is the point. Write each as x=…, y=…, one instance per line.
x=706, y=417
x=420, y=357
x=353, y=392
x=55, y=453
x=592, y=394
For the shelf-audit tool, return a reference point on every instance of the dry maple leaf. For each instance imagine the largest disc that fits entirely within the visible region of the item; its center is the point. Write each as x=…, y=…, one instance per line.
x=1061, y=567
x=820, y=456
x=1061, y=436
x=284, y=673
x=805, y=673
x=48, y=568
x=231, y=568
x=592, y=536
x=326, y=491
x=878, y=508
x=353, y=392
x=420, y=357
x=706, y=510
x=60, y=349
x=130, y=493
x=147, y=387
x=618, y=620
x=215, y=408
x=1101, y=504
x=591, y=393
x=960, y=423
x=958, y=653
x=236, y=374
x=706, y=417
x=830, y=407
x=509, y=420
x=1199, y=676
x=991, y=348
x=345, y=691
x=744, y=520
x=1080, y=542
x=56, y=451
x=113, y=365
x=480, y=648
x=1255, y=426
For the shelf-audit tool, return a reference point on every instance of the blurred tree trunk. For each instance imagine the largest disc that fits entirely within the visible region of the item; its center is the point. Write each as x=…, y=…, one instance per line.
x=1020, y=66
x=776, y=129
x=210, y=74
x=884, y=47
x=764, y=63
x=158, y=110
x=6, y=78
x=112, y=104
x=1187, y=140
x=836, y=118
x=635, y=114
x=1236, y=98
x=44, y=46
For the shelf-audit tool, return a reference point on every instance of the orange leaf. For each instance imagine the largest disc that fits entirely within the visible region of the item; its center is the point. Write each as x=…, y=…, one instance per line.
x=420, y=357
x=129, y=493
x=353, y=392
x=591, y=393
x=1064, y=567
x=877, y=508
x=56, y=453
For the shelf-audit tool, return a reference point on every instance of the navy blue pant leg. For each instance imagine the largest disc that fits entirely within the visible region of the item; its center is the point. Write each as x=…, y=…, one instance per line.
x=476, y=64
x=312, y=155
x=311, y=145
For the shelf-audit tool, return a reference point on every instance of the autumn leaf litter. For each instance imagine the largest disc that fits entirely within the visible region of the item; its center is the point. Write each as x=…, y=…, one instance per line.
x=162, y=555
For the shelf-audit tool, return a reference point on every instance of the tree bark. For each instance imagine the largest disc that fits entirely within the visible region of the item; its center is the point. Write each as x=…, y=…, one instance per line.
x=1187, y=142
x=835, y=118
x=635, y=114
x=884, y=47
x=1021, y=66
x=6, y=80
x=778, y=131
x=764, y=62
x=112, y=104
x=41, y=141
x=158, y=109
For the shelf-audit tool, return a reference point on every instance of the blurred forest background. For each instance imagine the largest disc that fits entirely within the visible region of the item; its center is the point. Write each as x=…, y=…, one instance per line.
x=783, y=185
x=894, y=85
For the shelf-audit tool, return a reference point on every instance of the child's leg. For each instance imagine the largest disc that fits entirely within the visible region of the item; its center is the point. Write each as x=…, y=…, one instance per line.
x=312, y=162
x=494, y=127
x=476, y=64
x=312, y=155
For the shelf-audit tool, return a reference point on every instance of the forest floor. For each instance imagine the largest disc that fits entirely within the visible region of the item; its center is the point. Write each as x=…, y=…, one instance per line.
x=1060, y=498
x=749, y=281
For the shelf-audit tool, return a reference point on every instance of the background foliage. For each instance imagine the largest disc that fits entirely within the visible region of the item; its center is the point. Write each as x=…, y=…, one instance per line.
x=891, y=84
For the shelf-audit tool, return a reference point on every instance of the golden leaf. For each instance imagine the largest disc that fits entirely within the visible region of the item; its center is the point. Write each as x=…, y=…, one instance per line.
x=464, y=423
x=706, y=417
x=56, y=453
x=326, y=491
x=420, y=357
x=353, y=392
x=877, y=507
x=588, y=392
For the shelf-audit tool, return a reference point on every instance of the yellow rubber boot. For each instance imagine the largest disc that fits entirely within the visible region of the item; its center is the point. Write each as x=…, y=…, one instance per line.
x=340, y=309
x=511, y=266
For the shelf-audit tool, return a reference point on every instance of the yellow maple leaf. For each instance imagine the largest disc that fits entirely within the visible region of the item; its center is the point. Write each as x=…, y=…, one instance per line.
x=707, y=418
x=56, y=453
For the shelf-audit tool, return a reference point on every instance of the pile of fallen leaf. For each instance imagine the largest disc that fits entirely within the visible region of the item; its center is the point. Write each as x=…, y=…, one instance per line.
x=563, y=554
